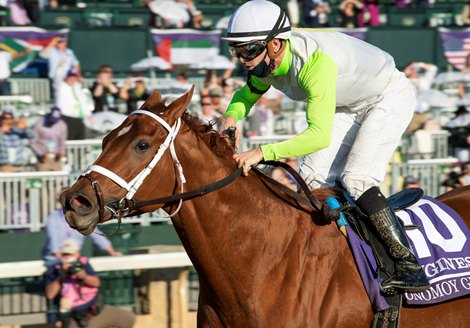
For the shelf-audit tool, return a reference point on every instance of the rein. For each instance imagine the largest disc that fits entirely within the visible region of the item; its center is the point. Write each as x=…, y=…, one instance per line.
x=309, y=200
x=135, y=204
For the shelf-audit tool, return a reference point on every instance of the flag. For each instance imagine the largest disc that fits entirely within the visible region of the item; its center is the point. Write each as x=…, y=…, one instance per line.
x=18, y=39
x=456, y=44
x=186, y=46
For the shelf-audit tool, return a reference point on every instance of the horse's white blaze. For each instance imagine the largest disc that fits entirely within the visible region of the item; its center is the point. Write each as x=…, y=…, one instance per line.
x=124, y=130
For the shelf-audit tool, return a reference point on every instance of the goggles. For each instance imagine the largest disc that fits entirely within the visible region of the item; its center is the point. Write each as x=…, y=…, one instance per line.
x=248, y=51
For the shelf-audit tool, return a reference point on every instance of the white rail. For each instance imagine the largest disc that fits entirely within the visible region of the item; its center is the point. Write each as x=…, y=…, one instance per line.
x=126, y=262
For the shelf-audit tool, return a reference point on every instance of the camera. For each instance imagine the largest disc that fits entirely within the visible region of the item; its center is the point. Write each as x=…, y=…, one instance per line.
x=76, y=267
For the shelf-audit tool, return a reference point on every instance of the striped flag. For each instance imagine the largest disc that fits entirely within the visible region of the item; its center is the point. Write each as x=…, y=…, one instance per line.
x=17, y=39
x=456, y=44
x=186, y=46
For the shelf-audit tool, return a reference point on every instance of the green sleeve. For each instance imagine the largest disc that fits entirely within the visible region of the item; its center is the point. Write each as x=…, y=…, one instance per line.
x=244, y=98
x=318, y=78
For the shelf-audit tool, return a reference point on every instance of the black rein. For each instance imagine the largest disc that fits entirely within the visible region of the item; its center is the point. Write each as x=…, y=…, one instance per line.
x=309, y=200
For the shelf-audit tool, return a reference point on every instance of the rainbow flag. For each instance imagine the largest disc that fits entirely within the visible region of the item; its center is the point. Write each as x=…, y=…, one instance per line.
x=186, y=46
x=17, y=39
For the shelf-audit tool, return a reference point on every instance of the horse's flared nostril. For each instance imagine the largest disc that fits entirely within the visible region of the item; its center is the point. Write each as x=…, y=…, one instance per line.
x=81, y=204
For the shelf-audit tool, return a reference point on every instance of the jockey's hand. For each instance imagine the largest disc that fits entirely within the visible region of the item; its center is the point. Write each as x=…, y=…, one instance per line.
x=249, y=158
x=225, y=123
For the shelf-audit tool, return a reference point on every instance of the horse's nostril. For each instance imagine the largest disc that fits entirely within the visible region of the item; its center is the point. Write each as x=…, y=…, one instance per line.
x=80, y=202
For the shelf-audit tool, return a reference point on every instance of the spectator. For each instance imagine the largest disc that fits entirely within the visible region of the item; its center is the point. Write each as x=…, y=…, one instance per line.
x=5, y=71
x=411, y=182
x=74, y=105
x=73, y=285
x=4, y=10
x=459, y=128
x=349, y=13
x=293, y=12
x=212, y=79
x=216, y=93
x=465, y=14
x=453, y=179
x=134, y=91
x=316, y=13
x=57, y=231
x=370, y=14
x=465, y=176
x=18, y=13
x=32, y=10
x=182, y=82
x=14, y=136
x=104, y=91
x=48, y=143
x=463, y=87
x=260, y=120
x=196, y=15
x=208, y=113
x=421, y=74
x=60, y=60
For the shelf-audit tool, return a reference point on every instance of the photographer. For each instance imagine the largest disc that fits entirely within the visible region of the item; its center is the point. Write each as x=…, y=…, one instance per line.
x=74, y=287
x=14, y=136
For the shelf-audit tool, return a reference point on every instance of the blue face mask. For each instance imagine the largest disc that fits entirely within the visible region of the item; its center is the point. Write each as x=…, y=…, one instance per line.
x=262, y=69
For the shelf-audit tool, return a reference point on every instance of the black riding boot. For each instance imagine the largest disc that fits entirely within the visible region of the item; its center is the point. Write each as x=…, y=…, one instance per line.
x=409, y=276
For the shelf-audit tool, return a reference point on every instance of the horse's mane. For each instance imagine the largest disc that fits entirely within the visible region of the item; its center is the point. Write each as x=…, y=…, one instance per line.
x=219, y=144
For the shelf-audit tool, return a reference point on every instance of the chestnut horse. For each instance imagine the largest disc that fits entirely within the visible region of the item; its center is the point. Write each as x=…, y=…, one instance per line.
x=261, y=262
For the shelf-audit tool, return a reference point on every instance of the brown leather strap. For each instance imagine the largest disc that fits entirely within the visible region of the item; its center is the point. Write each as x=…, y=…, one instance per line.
x=99, y=195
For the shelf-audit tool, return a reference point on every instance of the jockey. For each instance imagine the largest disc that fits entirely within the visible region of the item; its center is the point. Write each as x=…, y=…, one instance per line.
x=357, y=107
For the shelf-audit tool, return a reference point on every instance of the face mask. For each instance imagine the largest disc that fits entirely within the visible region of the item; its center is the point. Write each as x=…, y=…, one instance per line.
x=262, y=69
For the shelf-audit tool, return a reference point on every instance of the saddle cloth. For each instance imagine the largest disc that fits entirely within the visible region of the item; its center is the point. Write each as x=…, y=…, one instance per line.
x=442, y=245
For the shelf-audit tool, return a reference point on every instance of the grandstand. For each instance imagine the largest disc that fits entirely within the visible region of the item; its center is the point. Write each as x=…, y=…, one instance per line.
x=117, y=32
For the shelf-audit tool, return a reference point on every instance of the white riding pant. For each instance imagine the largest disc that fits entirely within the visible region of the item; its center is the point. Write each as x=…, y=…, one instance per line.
x=363, y=141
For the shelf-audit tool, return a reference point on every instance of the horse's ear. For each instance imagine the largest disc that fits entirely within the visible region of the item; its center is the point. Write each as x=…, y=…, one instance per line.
x=177, y=107
x=153, y=101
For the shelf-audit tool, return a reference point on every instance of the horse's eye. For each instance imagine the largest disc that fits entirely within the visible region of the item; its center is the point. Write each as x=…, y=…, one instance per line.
x=142, y=146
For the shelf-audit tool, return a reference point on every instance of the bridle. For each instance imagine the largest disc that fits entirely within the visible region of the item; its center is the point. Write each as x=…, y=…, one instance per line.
x=124, y=206
x=127, y=204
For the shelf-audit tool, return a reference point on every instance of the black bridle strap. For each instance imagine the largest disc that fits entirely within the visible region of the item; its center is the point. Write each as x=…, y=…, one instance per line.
x=135, y=204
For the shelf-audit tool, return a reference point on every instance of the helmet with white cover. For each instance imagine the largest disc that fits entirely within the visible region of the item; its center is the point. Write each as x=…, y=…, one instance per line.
x=258, y=20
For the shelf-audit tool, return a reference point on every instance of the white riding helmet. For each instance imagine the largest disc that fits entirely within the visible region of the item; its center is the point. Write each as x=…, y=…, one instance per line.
x=258, y=20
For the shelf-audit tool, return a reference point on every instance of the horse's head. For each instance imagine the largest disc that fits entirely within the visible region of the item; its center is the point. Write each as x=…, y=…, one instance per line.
x=129, y=154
